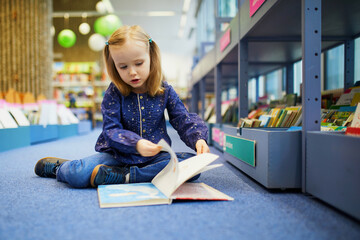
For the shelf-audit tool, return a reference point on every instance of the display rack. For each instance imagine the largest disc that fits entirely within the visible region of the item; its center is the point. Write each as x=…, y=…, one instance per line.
x=217, y=136
x=334, y=175
x=280, y=33
x=11, y=138
x=81, y=77
x=277, y=155
x=203, y=80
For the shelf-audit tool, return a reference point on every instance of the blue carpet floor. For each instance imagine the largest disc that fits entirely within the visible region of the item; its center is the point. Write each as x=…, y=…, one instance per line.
x=39, y=208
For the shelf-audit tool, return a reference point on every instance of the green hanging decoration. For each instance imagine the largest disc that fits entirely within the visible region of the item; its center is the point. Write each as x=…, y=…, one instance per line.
x=66, y=38
x=107, y=25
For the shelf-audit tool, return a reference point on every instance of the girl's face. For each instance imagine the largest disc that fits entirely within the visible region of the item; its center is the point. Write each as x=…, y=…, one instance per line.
x=132, y=61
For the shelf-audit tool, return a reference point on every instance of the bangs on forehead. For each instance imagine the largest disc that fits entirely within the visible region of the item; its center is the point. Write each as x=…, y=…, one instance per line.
x=126, y=33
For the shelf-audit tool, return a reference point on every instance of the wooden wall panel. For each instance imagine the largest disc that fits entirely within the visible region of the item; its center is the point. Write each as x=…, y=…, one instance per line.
x=26, y=53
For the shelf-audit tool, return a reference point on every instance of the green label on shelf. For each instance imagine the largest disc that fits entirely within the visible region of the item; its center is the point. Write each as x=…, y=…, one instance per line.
x=241, y=148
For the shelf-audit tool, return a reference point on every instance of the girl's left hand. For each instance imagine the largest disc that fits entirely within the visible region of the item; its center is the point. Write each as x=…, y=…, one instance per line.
x=202, y=147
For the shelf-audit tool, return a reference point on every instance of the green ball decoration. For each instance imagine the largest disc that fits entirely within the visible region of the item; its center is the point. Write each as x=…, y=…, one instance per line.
x=66, y=38
x=107, y=25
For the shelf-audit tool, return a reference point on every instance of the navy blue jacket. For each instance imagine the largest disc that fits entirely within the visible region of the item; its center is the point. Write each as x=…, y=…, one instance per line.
x=128, y=119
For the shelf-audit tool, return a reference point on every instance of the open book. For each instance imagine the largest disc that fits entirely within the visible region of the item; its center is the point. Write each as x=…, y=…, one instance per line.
x=167, y=185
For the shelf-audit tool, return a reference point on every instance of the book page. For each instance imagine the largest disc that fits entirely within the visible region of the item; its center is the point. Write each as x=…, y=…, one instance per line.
x=207, y=168
x=194, y=165
x=198, y=191
x=166, y=180
x=48, y=113
x=175, y=173
x=66, y=116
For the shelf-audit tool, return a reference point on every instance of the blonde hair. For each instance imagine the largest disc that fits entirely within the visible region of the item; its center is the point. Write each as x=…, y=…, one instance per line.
x=119, y=37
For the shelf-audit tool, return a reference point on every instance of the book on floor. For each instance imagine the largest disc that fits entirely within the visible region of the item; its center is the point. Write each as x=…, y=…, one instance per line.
x=168, y=185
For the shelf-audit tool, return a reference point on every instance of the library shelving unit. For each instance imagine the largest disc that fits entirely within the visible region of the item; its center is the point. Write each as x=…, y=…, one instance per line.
x=203, y=82
x=278, y=34
x=83, y=79
x=332, y=166
x=74, y=78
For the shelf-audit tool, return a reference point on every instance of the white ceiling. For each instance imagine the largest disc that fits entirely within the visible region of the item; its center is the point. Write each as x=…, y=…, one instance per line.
x=163, y=29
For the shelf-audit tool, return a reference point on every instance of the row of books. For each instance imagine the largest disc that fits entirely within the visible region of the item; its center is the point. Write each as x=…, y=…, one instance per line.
x=229, y=112
x=80, y=78
x=336, y=117
x=230, y=109
x=340, y=116
x=273, y=117
x=46, y=112
x=346, y=118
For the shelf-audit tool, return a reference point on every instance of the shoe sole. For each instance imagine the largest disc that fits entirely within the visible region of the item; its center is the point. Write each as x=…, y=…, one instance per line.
x=54, y=158
x=94, y=173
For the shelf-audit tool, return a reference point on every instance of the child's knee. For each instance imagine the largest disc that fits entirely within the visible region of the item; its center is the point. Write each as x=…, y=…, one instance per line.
x=77, y=175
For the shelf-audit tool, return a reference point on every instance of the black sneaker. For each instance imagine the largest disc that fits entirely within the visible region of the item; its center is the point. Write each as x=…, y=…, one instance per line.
x=46, y=167
x=103, y=175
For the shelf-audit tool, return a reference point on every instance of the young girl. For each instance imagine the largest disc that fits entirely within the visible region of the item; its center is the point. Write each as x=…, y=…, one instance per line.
x=133, y=119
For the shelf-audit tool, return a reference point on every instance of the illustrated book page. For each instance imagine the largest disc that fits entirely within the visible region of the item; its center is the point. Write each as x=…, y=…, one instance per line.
x=126, y=195
x=164, y=184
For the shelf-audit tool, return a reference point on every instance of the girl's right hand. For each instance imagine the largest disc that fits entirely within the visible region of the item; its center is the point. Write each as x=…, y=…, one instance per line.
x=147, y=148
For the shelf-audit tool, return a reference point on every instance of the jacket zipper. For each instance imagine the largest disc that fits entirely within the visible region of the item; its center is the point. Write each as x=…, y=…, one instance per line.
x=140, y=115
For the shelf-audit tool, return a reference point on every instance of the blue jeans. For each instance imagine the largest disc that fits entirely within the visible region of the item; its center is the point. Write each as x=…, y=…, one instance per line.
x=77, y=173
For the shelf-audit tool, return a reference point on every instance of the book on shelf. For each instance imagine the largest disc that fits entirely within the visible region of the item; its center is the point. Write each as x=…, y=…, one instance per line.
x=209, y=112
x=354, y=128
x=264, y=120
x=349, y=120
x=6, y=119
x=336, y=117
x=353, y=131
x=332, y=128
x=350, y=97
x=168, y=185
x=297, y=120
x=327, y=100
x=275, y=113
x=249, y=123
x=356, y=118
x=66, y=116
x=283, y=118
x=275, y=117
x=230, y=115
x=225, y=106
x=19, y=116
x=345, y=99
x=255, y=113
x=356, y=99
x=48, y=113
